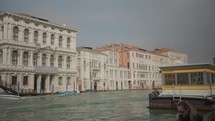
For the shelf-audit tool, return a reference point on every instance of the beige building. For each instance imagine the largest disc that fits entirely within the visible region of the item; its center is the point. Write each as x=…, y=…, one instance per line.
x=117, y=75
x=92, y=70
x=175, y=57
x=37, y=54
x=143, y=66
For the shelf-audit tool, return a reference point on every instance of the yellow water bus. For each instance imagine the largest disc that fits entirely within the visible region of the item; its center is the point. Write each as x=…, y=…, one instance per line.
x=194, y=83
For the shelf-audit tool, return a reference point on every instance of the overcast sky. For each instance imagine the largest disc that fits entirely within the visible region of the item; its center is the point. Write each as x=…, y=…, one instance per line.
x=184, y=25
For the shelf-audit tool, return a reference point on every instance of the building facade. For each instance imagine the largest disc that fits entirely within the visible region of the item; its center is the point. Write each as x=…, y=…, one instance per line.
x=117, y=75
x=143, y=66
x=37, y=54
x=92, y=70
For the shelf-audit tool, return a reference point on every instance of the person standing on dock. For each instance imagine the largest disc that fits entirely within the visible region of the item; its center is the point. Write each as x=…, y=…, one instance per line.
x=187, y=112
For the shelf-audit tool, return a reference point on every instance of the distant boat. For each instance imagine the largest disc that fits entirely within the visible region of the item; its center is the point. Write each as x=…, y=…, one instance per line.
x=194, y=83
x=74, y=93
x=10, y=97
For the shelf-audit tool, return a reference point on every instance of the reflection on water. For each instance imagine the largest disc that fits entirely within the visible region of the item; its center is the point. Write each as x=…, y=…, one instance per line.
x=114, y=106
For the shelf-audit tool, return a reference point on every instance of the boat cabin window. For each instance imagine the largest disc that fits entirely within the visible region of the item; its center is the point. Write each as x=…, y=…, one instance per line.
x=182, y=78
x=210, y=78
x=213, y=79
x=197, y=78
x=169, y=79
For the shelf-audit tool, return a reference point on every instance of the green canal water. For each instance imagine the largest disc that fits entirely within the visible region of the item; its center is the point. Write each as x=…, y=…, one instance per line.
x=100, y=106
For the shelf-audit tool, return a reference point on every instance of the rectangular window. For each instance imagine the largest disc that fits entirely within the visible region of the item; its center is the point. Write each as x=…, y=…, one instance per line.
x=182, y=78
x=25, y=80
x=197, y=78
x=14, y=80
x=169, y=79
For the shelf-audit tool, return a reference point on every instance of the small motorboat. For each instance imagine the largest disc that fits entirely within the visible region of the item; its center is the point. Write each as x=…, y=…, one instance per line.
x=74, y=93
x=10, y=97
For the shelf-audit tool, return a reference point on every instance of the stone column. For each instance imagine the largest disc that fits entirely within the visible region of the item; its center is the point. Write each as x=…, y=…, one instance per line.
x=4, y=55
x=48, y=59
x=30, y=58
x=1, y=32
x=70, y=63
x=47, y=84
x=64, y=64
x=55, y=83
x=5, y=31
x=20, y=34
x=39, y=59
x=38, y=83
x=20, y=57
x=4, y=77
x=10, y=34
x=8, y=78
x=31, y=35
x=19, y=79
x=40, y=37
x=48, y=38
x=9, y=55
x=31, y=81
x=56, y=60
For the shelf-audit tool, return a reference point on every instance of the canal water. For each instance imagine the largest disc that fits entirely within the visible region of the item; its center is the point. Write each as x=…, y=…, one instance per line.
x=100, y=106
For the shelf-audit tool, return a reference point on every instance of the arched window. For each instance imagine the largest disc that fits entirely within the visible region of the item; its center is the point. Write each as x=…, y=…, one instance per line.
x=44, y=38
x=1, y=56
x=60, y=41
x=35, y=59
x=52, y=60
x=68, y=43
x=25, y=80
x=60, y=62
x=68, y=62
x=52, y=39
x=35, y=36
x=44, y=60
x=14, y=80
x=25, y=59
x=15, y=33
x=26, y=35
x=14, y=57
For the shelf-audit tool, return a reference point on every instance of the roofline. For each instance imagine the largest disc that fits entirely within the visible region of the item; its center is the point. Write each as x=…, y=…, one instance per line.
x=38, y=19
x=189, y=66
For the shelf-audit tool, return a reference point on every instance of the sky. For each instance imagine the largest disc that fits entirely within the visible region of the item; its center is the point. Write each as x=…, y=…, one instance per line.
x=184, y=25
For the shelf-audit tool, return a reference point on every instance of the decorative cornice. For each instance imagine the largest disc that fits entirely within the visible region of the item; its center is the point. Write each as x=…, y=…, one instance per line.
x=38, y=21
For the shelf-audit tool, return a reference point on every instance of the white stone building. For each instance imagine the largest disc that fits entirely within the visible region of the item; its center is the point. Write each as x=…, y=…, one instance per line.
x=37, y=54
x=117, y=75
x=92, y=70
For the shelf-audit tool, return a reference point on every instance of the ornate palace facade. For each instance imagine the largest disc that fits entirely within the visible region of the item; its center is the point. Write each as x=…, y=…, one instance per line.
x=36, y=54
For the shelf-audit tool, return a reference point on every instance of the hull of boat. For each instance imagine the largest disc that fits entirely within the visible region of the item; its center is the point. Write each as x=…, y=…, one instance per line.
x=10, y=97
x=164, y=102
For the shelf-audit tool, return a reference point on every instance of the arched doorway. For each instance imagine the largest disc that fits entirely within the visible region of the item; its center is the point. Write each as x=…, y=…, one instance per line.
x=153, y=84
x=95, y=86
x=104, y=86
x=43, y=83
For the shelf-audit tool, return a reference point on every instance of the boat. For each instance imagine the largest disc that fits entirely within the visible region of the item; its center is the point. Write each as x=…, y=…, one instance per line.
x=194, y=83
x=74, y=93
x=10, y=97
